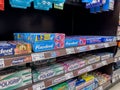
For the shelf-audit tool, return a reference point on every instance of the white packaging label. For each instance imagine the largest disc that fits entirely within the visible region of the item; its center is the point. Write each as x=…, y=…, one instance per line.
x=89, y=68
x=92, y=47
x=100, y=88
x=2, y=64
x=58, y=80
x=39, y=86
x=104, y=63
x=106, y=45
x=70, y=50
x=69, y=75
x=38, y=56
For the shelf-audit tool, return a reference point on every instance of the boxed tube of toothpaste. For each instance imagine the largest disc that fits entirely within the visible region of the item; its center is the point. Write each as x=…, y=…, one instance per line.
x=14, y=48
x=14, y=80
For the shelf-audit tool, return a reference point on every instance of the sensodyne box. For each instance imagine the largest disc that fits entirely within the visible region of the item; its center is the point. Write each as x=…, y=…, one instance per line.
x=15, y=80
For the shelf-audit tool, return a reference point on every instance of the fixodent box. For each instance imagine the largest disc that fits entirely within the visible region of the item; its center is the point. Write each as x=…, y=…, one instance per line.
x=14, y=48
x=15, y=80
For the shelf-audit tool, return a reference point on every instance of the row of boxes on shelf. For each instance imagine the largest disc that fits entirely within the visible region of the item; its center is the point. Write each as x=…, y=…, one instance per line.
x=37, y=42
x=50, y=41
x=83, y=82
x=15, y=77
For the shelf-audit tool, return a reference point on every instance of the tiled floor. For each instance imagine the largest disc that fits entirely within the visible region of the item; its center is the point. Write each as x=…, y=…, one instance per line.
x=116, y=87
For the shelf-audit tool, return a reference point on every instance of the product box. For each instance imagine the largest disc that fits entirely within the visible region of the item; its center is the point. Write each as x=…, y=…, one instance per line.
x=80, y=84
x=73, y=65
x=43, y=46
x=71, y=84
x=37, y=37
x=69, y=42
x=15, y=80
x=42, y=73
x=14, y=48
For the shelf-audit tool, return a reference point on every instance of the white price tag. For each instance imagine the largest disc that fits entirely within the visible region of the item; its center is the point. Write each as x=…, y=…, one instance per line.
x=69, y=75
x=2, y=63
x=70, y=50
x=38, y=56
x=115, y=59
x=100, y=88
x=119, y=58
x=58, y=80
x=82, y=71
x=39, y=86
x=104, y=63
x=92, y=47
x=89, y=68
x=106, y=44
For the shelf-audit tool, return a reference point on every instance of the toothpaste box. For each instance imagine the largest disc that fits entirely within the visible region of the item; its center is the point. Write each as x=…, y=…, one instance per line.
x=37, y=37
x=105, y=55
x=15, y=80
x=69, y=42
x=43, y=46
x=14, y=48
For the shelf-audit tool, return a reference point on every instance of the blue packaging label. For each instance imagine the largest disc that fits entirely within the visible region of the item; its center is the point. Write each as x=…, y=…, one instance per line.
x=43, y=46
x=71, y=43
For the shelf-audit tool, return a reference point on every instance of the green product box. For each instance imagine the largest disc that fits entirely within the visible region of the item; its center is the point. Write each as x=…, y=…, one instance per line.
x=14, y=80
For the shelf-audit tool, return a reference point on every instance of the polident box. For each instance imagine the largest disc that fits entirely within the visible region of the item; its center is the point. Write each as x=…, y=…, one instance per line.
x=14, y=48
x=42, y=73
x=12, y=80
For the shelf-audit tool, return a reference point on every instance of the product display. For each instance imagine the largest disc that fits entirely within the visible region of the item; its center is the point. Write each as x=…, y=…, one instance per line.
x=12, y=78
x=74, y=48
x=14, y=48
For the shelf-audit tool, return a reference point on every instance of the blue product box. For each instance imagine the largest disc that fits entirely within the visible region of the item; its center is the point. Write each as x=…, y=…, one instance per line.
x=43, y=46
x=92, y=39
x=69, y=42
x=18, y=36
x=108, y=38
x=6, y=48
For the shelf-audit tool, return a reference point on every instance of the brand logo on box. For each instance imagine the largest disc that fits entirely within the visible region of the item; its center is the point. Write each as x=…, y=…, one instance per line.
x=10, y=82
x=6, y=51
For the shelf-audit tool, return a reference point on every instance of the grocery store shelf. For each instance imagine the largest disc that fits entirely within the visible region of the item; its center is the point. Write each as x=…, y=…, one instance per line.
x=63, y=77
x=22, y=59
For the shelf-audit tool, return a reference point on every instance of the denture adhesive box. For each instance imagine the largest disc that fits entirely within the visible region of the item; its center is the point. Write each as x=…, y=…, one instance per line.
x=42, y=73
x=14, y=48
x=15, y=80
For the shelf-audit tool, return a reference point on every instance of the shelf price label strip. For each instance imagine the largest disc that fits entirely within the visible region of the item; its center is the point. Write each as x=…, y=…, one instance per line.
x=61, y=78
x=53, y=54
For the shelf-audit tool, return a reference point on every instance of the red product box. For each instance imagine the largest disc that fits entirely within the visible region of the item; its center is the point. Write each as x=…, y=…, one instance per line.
x=2, y=5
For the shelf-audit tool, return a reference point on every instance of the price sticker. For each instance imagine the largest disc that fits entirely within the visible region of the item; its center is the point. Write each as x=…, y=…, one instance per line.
x=104, y=63
x=89, y=68
x=106, y=44
x=100, y=88
x=58, y=80
x=70, y=50
x=2, y=63
x=38, y=56
x=69, y=75
x=92, y=47
x=115, y=59
x=39, y=86
x=81, y=71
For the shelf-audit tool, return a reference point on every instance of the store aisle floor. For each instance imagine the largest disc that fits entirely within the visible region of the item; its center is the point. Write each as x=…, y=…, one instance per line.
x=116, y=87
